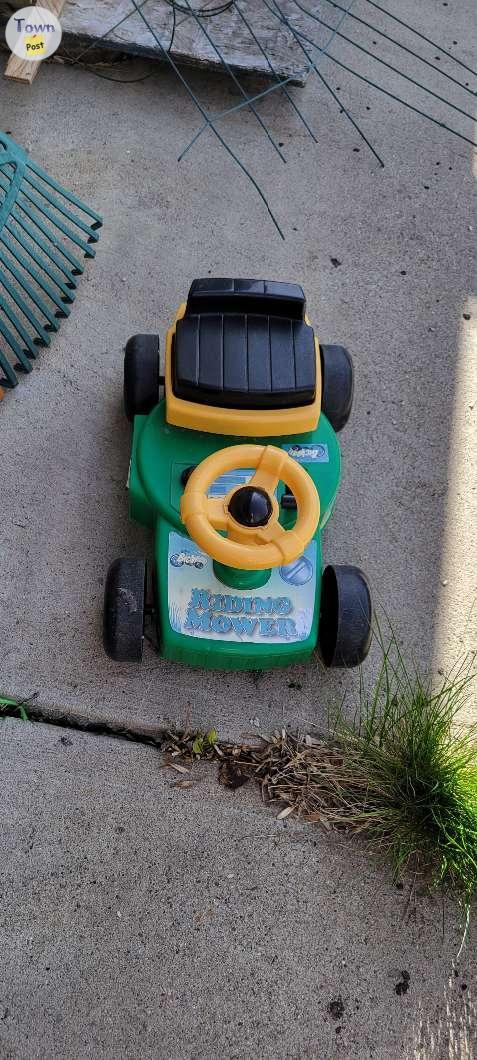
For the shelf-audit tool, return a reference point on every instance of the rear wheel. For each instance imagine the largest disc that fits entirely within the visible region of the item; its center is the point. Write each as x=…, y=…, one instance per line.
x=124, y=610
x=337, y=385
x=141, y=375
x=346, y=616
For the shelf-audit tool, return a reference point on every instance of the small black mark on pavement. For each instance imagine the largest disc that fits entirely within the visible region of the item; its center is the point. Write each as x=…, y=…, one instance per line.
x=403, y=986
x=336, y=1008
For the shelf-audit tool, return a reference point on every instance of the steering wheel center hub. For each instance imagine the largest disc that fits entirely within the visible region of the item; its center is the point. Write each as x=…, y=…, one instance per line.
x=250, y=506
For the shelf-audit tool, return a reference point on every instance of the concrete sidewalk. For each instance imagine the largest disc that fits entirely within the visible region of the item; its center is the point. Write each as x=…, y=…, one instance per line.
x=138, y=920
x=403, y=241
x=141, y=920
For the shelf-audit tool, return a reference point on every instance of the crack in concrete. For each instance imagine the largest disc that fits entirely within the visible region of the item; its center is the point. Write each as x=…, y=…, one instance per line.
x=10, y=708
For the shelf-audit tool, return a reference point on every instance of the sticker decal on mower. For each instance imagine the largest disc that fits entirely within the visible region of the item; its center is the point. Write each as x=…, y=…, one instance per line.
x=308, y=452
x=200, y=605
x=224, y=483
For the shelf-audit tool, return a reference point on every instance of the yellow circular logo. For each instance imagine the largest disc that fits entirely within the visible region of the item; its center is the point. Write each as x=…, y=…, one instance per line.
x=33, y=33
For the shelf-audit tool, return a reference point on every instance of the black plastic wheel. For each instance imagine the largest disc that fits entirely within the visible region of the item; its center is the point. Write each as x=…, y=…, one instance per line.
x=337, y=384
x=124, y=610
x=141, y=375
x=346, y=616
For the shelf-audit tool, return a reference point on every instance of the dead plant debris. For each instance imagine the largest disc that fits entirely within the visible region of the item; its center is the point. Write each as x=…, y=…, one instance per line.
x=304, y=773
x=403, y=774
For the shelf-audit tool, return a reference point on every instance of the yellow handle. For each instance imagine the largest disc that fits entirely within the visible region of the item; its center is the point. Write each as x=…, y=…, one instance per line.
x=250, y=548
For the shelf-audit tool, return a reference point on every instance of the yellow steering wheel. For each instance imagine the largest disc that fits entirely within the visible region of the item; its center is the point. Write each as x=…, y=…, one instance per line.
x=249, y=514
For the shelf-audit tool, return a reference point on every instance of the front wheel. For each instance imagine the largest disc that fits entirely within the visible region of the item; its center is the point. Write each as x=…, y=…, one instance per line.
x=337, y=385
x=141, y=375
x=124, y=610
x=346, y=616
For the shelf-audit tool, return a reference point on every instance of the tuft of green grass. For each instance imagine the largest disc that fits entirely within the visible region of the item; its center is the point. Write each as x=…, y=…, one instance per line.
x=402, y=773
x=408, y=777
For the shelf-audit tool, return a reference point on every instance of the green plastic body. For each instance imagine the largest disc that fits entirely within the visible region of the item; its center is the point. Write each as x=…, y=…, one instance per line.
x=160, y=453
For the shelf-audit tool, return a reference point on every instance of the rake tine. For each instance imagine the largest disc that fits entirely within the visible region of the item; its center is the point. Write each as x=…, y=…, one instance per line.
x=68, y=297
x=203, y=112
x=37, y=269
x=47, y=212
x=96, y=220
x=23, y=361
x=89, y=230
x=383, y=62
x=20, y=258
x=22, y=213
x=235, y=80
x=404, y=47
x=53, y=322
x=46, y=247
x=274, y=72
x=42, y=337
x=30, y=343
x=77, y=267
x=423, y=37
x=9, y=379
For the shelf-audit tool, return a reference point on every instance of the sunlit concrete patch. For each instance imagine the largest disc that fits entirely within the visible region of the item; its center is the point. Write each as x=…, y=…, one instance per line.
x=456, y=626
x=451, y=1036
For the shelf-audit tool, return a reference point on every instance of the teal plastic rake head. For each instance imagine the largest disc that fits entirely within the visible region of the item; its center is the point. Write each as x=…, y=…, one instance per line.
x=45, y=235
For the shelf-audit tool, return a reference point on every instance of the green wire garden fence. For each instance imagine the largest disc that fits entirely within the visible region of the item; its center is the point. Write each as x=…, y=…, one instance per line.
x=316, y=32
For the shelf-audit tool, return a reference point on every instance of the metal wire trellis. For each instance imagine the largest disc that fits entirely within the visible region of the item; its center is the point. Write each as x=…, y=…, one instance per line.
x=295, y=21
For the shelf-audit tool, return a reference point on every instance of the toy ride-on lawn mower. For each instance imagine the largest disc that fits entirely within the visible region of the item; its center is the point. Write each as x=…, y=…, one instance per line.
x=236, y=470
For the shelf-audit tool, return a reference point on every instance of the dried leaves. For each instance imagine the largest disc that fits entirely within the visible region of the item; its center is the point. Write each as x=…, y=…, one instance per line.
x=302, y=773
x=403, y=773
x=191, y=745
x=231, y=776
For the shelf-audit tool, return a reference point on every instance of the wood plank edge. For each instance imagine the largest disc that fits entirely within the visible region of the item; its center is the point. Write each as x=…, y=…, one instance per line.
x=23, y=71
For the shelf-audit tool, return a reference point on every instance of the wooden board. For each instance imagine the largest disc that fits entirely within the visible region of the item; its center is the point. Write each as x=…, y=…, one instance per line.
x=85, y=21
x=24, y=70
